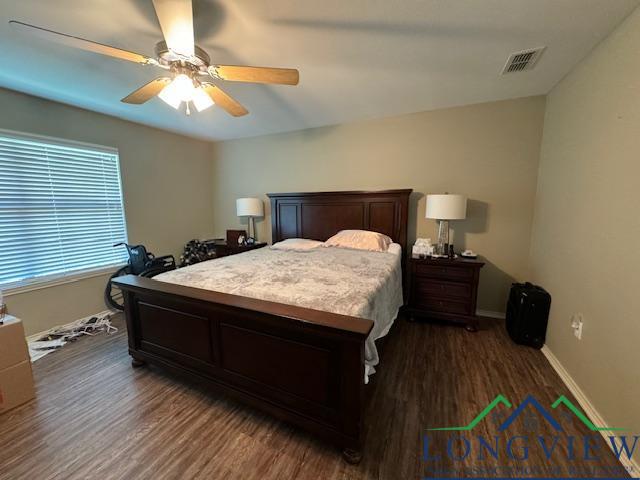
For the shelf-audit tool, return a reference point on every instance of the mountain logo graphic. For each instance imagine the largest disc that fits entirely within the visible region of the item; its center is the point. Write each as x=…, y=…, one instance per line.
x=534, y=403
x=529, y=401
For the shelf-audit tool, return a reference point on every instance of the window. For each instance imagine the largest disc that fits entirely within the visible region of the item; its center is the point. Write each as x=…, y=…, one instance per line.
x=60, y=209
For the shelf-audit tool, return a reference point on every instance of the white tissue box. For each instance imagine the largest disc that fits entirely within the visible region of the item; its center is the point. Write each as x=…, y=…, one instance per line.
x=421, y=250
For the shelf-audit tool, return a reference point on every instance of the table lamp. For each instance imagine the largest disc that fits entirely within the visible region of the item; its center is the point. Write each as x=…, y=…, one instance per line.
x=250, y=207
x=445, y=207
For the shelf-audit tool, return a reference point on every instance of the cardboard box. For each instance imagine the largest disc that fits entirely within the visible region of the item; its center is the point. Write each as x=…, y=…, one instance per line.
x=13, y=346
x=16, y=386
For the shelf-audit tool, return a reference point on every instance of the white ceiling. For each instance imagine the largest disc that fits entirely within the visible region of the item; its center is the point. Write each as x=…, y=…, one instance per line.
x=357, y=59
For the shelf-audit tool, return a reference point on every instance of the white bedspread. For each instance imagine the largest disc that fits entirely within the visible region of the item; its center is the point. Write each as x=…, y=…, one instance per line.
x=349, y=282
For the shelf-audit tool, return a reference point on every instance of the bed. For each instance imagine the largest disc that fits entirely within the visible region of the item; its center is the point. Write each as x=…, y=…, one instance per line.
x=350, y=282
x=265, y=346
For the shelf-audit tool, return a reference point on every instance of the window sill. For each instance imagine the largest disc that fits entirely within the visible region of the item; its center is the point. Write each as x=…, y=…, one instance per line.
x=40, y=284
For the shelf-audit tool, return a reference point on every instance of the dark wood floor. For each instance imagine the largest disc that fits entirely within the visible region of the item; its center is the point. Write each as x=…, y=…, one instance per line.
x=97, y=418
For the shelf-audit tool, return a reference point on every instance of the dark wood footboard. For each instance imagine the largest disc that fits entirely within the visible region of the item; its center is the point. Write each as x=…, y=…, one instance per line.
x=303, y=366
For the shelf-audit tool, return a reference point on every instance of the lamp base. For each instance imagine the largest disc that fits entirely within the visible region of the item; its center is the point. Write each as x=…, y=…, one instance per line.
x=251, y=238
x=443, y=238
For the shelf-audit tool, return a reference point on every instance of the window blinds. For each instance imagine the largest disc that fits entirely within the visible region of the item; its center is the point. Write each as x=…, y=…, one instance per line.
x=60, y=209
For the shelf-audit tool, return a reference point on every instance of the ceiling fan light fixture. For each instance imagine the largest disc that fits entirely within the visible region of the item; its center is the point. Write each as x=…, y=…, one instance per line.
x=169, y=96
x=184, y=87
x=201, y=100
x=181, y=89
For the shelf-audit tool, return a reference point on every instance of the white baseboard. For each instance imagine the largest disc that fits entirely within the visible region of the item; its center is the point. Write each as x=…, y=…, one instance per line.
x=632, y=466
x=490, y=314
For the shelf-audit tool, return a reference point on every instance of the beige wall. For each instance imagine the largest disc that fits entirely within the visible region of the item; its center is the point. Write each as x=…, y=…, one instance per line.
x=166, y=187
x=489, y=152
x=586, y=227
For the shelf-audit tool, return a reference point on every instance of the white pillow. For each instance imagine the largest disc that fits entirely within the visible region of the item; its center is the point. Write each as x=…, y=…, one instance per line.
x=395, y=248
x=360, y=240
x=299, y=244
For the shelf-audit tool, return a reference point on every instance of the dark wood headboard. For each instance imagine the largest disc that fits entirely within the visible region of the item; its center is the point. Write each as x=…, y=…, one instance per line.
x=320, y=215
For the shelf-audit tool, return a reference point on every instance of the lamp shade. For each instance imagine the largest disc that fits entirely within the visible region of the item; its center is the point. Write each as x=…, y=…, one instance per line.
x=446, y=207
x=249, y=207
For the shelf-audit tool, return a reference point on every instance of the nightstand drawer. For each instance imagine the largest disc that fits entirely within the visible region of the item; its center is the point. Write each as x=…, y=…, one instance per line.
x=436, y=271
x=443, y=306
x=439, y=288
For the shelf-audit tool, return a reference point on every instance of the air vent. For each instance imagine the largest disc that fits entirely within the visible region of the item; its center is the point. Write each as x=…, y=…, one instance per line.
x=524, y=60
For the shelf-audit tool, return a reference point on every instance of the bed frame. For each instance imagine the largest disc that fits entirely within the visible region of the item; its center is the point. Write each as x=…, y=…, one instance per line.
x=303, y=366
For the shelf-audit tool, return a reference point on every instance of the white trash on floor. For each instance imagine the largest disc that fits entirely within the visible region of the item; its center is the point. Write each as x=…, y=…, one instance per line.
x=44, y=343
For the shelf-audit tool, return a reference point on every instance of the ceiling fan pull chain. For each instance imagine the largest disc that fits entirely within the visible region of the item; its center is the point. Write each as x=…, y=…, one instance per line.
x=188, y=112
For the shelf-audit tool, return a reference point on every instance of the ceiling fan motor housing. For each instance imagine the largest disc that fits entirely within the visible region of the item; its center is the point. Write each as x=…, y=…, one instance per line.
x=200, y=60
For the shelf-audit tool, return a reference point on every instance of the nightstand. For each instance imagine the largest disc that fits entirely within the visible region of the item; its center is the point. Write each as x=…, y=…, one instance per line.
x=444, y=289
x=223, y=249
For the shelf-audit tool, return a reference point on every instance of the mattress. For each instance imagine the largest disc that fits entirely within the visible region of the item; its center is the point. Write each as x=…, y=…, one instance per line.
x=338, y=280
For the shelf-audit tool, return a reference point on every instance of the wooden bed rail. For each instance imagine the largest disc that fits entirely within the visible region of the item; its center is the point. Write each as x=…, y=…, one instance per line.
x=301, y=365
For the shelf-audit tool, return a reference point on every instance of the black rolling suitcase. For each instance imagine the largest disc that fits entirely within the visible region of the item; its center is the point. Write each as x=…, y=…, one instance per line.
x=528, y=314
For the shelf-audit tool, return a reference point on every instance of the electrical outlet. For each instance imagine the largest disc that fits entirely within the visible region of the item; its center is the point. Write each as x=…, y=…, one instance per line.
x=578, y=331
x=577, y=321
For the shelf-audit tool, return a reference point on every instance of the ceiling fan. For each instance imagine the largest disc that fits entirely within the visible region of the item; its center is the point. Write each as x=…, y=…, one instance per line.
x=184, y=61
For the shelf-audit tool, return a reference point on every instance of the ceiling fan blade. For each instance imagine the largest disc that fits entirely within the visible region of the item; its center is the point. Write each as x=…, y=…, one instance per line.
x=82, y=44
x=147, y=92
x=176, y=22
x=235, y=73
x=224, y=101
